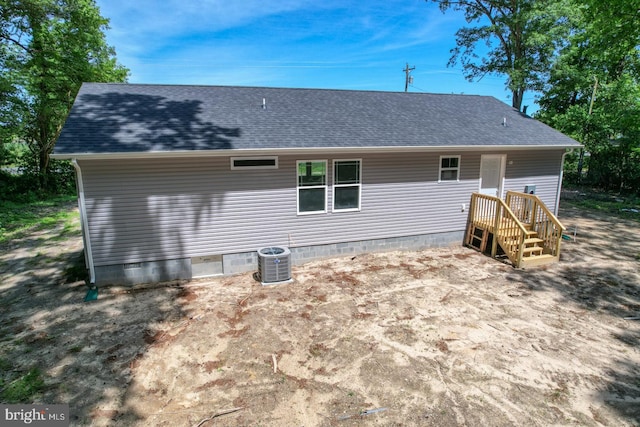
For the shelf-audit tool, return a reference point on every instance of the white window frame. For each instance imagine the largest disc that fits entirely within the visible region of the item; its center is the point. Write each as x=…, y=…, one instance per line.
x=441, y=169
x=359, y=185
x=325, y=187
x=236, y=167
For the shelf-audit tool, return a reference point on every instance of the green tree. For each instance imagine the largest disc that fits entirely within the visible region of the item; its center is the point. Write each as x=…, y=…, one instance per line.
x=593, y=91
x=49, y=48
x=522, y=37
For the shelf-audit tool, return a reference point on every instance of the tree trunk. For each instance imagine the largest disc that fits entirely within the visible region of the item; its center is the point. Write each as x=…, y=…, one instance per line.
x=517, y=97
x=580, y=165
x=43, y=168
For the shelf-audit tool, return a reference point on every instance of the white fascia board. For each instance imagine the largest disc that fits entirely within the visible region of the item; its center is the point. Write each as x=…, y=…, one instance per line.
x=304, y=151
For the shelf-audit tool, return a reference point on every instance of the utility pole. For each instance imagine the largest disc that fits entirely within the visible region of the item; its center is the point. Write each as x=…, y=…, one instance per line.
x=408, y=78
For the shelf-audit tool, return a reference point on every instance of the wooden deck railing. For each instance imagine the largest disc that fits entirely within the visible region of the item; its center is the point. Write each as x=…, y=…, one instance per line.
x=532, y=212
x=494, y=215
x=517, y=225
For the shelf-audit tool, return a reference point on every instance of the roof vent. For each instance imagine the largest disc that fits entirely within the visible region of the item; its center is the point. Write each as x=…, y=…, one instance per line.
x=274, y=265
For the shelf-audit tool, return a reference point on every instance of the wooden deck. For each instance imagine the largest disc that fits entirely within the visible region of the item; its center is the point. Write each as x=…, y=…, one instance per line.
x=522, y=226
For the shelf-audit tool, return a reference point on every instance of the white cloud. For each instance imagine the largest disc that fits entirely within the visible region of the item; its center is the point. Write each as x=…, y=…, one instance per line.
x=139, y=28
x=290, y=43
x=177, y=17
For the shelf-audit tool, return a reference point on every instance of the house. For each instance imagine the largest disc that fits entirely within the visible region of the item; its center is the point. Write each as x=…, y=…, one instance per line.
x=181, y=182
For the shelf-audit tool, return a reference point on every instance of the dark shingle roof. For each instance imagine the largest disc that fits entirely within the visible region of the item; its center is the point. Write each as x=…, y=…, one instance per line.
x=127, y=118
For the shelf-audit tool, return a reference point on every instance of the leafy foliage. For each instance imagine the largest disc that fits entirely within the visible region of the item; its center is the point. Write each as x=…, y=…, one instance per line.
x=521, y=35
x=49, y=47
x=19, y=180
x=583, y=57
x=593, y=92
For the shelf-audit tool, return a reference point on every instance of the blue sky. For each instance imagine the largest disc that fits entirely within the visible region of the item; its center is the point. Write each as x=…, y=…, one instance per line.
x=337, y=44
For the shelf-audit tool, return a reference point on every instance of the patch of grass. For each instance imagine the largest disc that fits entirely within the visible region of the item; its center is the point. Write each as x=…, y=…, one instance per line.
x=5, y=365
x=621, y=206
x=75, y=349
x=76, y=269
x=69, y=228
x=23, y=388
x=17, y=218
x=559, y=395
x=317, y=350
x=35, y=260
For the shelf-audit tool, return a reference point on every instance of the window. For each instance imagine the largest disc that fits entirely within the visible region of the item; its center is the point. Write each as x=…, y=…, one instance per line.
x=346, y=185
x=312, y=186
x=254, y=163
x=449, y=168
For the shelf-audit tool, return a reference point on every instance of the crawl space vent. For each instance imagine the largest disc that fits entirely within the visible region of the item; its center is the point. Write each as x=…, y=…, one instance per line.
x=274, y=265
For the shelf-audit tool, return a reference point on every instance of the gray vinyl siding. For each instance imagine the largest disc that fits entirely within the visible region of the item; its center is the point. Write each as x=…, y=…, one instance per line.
x=539, y=168
x=144, y=210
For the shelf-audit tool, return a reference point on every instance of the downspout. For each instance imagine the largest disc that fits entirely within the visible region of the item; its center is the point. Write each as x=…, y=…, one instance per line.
x=83, y=222
x=555, y=211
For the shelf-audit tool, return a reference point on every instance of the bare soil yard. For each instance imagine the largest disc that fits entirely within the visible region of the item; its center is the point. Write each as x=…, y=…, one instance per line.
x=434, y=337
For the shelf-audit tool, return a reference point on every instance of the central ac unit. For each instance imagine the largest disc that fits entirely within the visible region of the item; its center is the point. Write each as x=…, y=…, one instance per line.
x=274, y=265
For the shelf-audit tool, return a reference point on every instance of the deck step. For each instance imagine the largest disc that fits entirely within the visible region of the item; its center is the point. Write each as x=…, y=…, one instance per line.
x=532, y=250
x=533, y=241
x=538, y=260
x=527, y=242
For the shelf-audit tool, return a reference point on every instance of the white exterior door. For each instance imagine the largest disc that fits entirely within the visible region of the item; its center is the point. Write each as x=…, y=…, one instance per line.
x=492, y=174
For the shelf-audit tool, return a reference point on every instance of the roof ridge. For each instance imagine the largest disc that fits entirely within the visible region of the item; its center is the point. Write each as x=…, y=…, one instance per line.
x=180, y=85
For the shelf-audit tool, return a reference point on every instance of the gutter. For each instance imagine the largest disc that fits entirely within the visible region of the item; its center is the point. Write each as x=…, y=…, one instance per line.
x=82, y=207
x=304, y=151
x=560, y=184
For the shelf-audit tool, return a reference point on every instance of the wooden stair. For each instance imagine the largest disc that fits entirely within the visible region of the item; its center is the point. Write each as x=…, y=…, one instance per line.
x=533, y=250
x=530, y=237
x=477, y=238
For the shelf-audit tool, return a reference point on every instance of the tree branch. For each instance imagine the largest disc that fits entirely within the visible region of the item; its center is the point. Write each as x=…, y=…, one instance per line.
x=16, y=42
x=507, y=48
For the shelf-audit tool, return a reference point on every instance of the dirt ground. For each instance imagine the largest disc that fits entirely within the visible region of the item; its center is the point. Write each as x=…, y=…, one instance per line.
x=435, y=337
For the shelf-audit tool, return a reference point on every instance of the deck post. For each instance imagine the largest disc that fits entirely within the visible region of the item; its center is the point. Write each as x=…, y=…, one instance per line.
x=534, y=214
x=496, y=229
x=558, y=241
x=471, y=217
x=520, y=254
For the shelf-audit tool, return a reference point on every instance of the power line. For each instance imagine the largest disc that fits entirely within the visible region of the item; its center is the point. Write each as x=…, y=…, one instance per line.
x=420, y=89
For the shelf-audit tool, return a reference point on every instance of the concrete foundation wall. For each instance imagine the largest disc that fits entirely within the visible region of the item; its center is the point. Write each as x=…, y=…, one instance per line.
x=144, y=272
x=167, y=270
